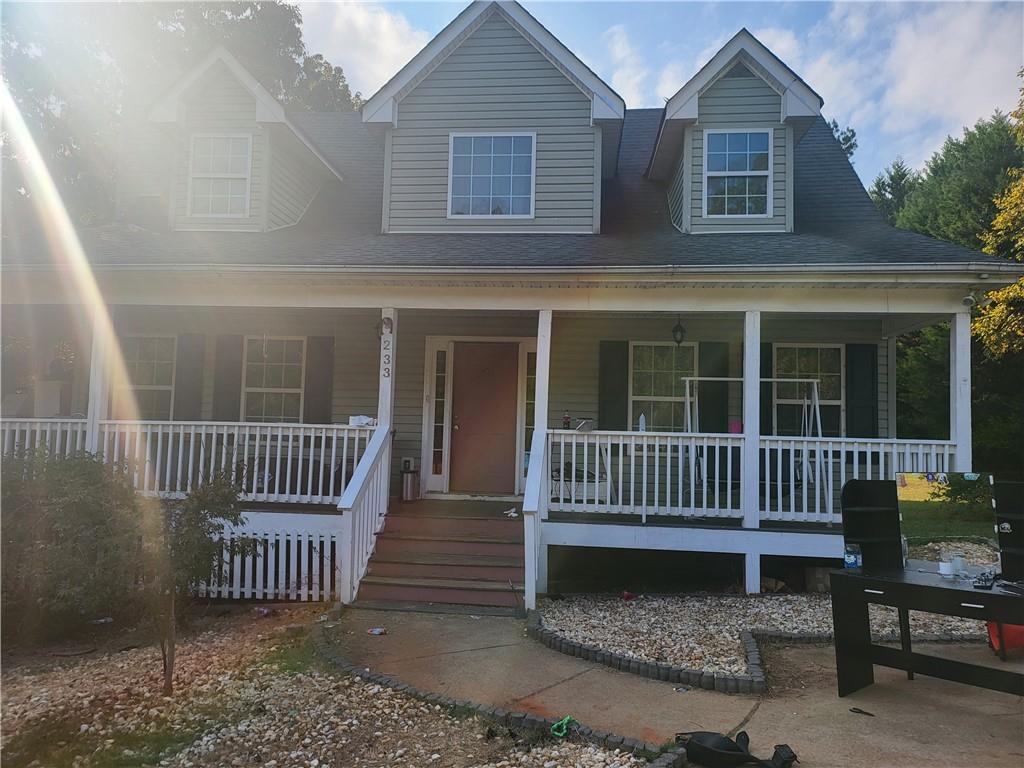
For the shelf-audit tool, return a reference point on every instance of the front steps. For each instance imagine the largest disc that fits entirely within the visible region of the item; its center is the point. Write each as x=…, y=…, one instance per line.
x=447, y=552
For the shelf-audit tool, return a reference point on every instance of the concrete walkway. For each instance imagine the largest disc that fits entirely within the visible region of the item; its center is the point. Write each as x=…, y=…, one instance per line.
x=490, y=660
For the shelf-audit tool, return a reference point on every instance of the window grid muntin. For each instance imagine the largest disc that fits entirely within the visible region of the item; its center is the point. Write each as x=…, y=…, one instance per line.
x=471, y=160
x=257, y=399
x=658, y=406
x=530, y=403
x=734, y=174
x=224, y=176
x=151, y=366
x=807, y=360
x=440, y=394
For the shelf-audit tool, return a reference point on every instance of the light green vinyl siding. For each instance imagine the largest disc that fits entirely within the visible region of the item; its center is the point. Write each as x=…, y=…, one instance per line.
x=293, y=183
x=677, y=193
x=218, y=103
x=736, y=103
x=494, y=81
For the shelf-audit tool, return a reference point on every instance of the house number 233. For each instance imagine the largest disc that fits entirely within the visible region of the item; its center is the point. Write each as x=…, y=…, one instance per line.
x=385, y=359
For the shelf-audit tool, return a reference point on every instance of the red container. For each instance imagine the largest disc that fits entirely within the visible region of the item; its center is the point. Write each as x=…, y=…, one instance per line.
x=1013, y=636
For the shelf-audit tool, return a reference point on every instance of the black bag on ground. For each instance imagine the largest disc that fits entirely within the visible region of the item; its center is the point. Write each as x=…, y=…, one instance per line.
x=715, y=750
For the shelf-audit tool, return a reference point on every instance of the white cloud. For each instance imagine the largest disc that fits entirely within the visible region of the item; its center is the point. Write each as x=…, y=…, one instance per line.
x=954, y=63
x=673, y=77
x=629, y=74
x=783, y=43
x=368, y=41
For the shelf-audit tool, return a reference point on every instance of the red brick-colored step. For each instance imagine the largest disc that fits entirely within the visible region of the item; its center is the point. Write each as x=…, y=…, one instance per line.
x=460, y=591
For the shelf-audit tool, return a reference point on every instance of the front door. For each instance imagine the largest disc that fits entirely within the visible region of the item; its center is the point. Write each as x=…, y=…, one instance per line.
x=485, y=391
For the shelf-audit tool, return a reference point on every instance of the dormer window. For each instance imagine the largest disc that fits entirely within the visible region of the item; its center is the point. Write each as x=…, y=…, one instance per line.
x=491, y=176
x=220, y=175
x=737, y=173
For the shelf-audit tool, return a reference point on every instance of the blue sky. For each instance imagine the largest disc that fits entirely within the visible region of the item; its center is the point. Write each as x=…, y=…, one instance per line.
x=904, y=75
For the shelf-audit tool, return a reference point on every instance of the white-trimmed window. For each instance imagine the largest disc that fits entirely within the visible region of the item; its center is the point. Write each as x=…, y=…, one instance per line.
x=149, y=392
x=823, y=363
x=737, y=173
x=656, y=387
x=491, y=176
x=274, y=376
x=220, y=172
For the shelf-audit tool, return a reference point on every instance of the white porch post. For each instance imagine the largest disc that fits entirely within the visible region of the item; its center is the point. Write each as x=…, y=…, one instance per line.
x=99, y=383
x=540, y=421
x=960, y=389
x=890, y=356
x=386, y=389
x=750, y=501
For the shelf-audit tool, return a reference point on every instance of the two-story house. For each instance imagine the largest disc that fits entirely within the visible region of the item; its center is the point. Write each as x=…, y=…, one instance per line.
x=649, y=329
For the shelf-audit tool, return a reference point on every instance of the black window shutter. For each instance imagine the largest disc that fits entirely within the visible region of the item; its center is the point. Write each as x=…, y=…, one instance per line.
x=613, y=385
x=713, y=360
x=227, y=379
x=766, y=389
x=188, y=377
x=861, y=390
x=316, y=408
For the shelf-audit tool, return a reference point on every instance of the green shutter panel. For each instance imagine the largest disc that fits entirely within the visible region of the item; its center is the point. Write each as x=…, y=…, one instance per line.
x=188, y=377
x=766, y=389
x=227, y=379
x=613, y=385
x=861, y=390
x=316, y=401
x=713, y=361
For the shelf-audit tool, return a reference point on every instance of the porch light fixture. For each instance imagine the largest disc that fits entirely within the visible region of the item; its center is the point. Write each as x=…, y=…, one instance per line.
x=678, y=332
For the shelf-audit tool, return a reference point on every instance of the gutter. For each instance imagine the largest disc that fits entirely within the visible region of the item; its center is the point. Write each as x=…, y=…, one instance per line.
x=977, y=268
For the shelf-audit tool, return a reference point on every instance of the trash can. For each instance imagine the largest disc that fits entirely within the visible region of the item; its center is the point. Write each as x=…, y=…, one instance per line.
x=410, y=484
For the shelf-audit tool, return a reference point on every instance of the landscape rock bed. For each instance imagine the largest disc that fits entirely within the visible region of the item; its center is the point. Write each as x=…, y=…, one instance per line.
x=709, y=640
x=250, y=691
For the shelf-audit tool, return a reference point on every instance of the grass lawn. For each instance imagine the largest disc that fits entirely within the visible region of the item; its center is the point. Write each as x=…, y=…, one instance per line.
x=925, y=521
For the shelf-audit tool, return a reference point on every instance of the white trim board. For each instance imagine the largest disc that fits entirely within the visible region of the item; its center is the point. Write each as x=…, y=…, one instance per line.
x=692, y=539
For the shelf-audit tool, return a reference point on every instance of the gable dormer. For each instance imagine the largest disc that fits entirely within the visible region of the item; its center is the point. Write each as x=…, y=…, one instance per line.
x=236, y=162
x=495, y=126
x=727, y=138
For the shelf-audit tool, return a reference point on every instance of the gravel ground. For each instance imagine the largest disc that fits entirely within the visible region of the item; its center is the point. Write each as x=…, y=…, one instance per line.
x=702, y=631
x=249, y=692
x=975, y=554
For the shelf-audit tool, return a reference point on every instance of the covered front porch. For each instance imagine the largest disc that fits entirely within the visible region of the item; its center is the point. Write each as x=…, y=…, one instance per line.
x=723, y=431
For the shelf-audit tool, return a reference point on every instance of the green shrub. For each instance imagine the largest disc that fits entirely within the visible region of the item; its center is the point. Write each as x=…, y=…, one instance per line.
x=70, y=546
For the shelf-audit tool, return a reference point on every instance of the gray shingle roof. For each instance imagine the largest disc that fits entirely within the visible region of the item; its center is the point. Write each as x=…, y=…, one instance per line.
x=836, y=223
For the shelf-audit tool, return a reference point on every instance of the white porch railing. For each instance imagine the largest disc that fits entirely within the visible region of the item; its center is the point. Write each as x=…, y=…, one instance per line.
x=297, y=463
x=645, y=473
x=58, y=437
x=364, y=508
x=801, y=477
x=291, y=557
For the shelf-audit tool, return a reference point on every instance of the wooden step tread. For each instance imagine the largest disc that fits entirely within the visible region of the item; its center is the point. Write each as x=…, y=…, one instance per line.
x=471, y=584
x=460, y=537
x=440, y=558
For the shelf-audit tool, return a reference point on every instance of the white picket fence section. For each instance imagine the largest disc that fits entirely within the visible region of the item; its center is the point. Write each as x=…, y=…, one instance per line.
x=802, y=477
x=364, y=509
x=645, y=473
x=292, y=557
x=58, y=437
x=297, y=463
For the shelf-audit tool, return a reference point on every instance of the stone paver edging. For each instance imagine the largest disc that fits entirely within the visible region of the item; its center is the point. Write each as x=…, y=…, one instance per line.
x=328, y=651
x=753, y=682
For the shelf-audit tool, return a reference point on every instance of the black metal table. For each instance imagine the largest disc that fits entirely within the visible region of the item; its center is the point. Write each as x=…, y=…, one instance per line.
x=919, y=588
